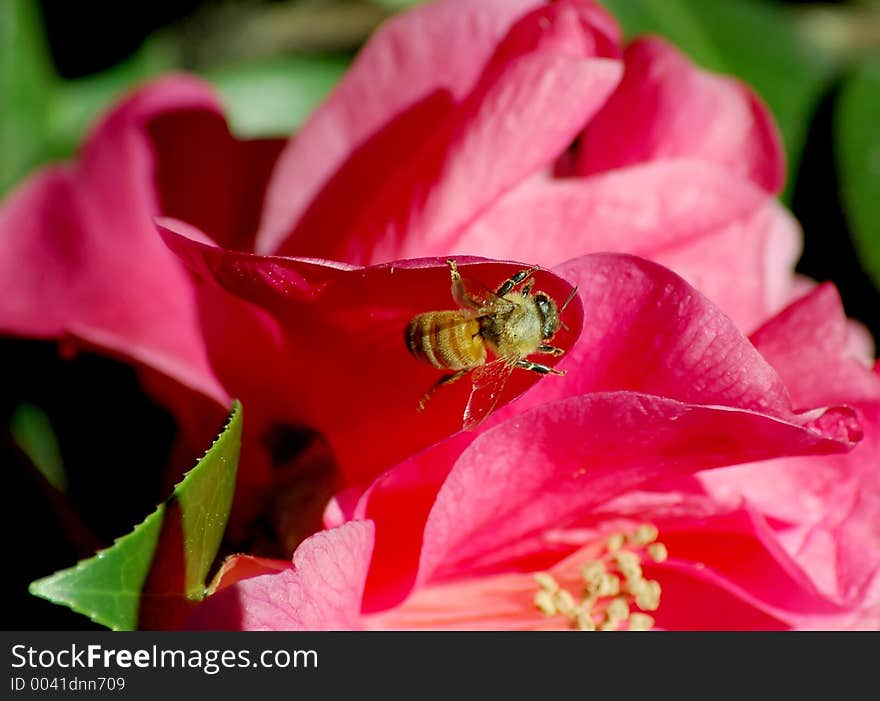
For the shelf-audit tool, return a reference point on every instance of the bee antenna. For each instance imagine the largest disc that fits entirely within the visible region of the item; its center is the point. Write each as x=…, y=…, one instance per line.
x=570, y=297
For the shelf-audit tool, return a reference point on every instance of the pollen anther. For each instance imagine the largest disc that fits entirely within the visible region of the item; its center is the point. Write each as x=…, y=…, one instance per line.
x=615, y=542
x=640, y=621
x=592, y=572
x=629, y=564
x=585, y=621
x=648, y=598
x=565, y=603
x=611, y=584
x=544, y=603
x=657, y=552
x=644, y=534
x=617, y=611
x=546, y=581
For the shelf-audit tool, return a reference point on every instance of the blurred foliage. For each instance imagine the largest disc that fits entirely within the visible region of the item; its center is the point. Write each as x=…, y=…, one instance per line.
x=44, y=117
x=858, y=142
x=274, y=96
x=270, y=82
x=31, y=429
x=26, y=79
x=75, y=104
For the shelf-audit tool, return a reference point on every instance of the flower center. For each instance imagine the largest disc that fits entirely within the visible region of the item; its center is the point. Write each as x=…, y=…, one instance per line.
x=611, y=584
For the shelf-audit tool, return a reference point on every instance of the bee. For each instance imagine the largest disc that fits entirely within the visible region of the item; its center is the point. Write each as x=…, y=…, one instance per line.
x=488, y=336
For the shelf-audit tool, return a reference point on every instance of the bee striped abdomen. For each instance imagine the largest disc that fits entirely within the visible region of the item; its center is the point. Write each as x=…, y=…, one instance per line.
x=446, y=340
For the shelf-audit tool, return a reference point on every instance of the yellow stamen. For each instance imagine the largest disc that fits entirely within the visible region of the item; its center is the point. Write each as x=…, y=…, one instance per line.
x=648, y=599
x=629, y=564
x=617, y=611
x=585, y=622
x=615, y=542
x=544, y=603
x=609, y=585
x=565, y=603
x=592, y=572
x=640, y=621
x=612, y=583
x=657, y=552
x=546, y=581
x=644, y=534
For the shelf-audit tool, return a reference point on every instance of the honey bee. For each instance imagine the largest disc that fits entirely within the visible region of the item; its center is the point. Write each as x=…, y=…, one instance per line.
x=508, y=324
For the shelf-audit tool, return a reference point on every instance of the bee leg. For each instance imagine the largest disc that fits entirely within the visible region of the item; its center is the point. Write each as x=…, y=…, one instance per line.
x=459, y=293
x=551, y=350
x=515, y=280
x=442, y=382
x=538, y=368
x=527, y=288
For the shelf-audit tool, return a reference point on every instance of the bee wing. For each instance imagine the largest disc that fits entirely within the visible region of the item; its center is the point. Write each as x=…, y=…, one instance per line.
x=473, y=294
x=487, y=384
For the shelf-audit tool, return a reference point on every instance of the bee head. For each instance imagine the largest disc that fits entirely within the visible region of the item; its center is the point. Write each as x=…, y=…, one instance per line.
x=549, y=313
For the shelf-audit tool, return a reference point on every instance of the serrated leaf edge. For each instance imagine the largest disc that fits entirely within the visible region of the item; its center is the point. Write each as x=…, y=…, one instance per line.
x=234, y=413
x=34, y=588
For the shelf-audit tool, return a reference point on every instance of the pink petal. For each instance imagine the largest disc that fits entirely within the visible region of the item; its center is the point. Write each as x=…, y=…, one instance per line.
x=339, y=363
x=580, y=452
x=659, y=383
x=740, y=548
x=746, y=267
x=721, y=233
x=694, y=599
x=728, y=571
x=520, y=115
x=430, y=57
x=647, y=330
x=832, y=505
x=322, y=591
x=237, y=568
x=725, y=571
x=809, y=343
x=209, y=179
x=543, y=100
x=860, y=343
x=80, y=255
x=401, y=501
x=666, y=108
x=831, y=508
x=497, y=603
x=577, y=27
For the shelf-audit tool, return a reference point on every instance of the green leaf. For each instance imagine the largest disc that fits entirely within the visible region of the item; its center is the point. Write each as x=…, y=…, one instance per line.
x=273, y=97
x=32, y=432
x=44, y=117
x=161, y=566
x=26, y=77
x=857, y=133
x=205, y=497
x=107, y=587
x=751, y=39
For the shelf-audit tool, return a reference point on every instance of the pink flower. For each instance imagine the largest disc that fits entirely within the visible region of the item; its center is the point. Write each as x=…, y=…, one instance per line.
x=495, y=131
x=480, y=530
x=410, y=143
